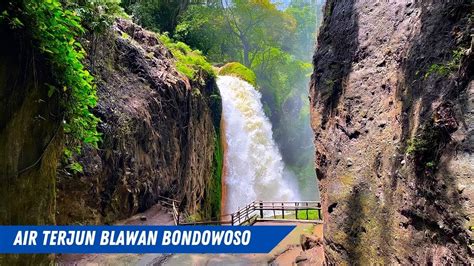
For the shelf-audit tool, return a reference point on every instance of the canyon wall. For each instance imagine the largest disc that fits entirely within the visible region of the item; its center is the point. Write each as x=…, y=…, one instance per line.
x=392, y=102
x=160, y=135
x=160, y=132
x=30, y=138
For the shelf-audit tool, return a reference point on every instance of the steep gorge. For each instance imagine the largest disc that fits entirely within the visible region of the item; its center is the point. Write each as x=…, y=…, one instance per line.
x=392, y=111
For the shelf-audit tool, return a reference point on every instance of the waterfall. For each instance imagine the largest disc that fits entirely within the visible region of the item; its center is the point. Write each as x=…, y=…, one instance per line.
x=253, y=163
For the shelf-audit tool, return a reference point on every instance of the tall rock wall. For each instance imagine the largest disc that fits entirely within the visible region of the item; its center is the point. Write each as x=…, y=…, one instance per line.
x=30, y=138
x=159, y=133
x=392, y=102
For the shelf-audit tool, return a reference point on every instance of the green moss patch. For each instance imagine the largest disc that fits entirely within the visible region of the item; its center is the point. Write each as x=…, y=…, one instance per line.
x=216, y=187
x=189, y=62
x=240, y=71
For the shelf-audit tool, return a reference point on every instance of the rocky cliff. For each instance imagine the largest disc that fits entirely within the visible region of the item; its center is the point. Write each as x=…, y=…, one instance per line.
x=30, y=137
x=160, y=132
x=392, y=102
x=160, y=135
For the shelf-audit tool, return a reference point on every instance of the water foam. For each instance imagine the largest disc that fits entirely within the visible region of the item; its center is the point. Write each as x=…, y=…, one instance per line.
x=254, y=166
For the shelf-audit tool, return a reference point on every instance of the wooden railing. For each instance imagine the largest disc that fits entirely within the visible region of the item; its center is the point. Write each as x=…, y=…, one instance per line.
x=258, y=210
x=172, y=203
x=175, y=214
x=245, y=215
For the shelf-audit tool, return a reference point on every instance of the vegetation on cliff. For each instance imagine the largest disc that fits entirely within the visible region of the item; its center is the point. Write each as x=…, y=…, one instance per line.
x=393, y=144
x=238, y=70
x=62, y=31
x=256, y=35
x=188, y=61
x=56, y=31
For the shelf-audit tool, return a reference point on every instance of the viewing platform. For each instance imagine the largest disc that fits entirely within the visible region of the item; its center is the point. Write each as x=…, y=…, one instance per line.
x=264, y=211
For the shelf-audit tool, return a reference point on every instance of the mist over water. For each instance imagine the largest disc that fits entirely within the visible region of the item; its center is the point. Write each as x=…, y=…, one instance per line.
x=254, y=166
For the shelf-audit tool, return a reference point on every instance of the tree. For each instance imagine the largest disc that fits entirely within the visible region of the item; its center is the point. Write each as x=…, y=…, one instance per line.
x=161, y=15
x=257, y=24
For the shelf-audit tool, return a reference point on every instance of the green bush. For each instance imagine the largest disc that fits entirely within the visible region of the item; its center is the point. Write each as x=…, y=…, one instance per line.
x=55, y=31
x=417, y=144
x=216, y=182
x=238, y=70
x=188, y=61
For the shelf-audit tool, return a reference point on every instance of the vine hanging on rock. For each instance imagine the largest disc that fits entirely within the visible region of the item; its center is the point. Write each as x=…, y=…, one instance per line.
x=56, y=30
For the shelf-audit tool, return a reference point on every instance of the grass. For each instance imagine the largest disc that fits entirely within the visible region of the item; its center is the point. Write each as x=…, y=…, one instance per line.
x=312, y=215
x=189, y=62
x=240, y=71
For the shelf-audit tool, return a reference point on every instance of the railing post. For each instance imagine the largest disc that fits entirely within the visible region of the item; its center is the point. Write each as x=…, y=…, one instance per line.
x=296, y=214
x=261, y=209
x=319, y=211
x=282, y=210
x=247, y=212
x=307, y=216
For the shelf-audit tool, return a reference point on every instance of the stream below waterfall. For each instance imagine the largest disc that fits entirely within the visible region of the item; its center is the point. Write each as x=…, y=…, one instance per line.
x=253, y=166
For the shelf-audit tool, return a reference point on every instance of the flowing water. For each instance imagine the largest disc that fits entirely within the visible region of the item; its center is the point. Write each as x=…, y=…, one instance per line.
x=254, y=169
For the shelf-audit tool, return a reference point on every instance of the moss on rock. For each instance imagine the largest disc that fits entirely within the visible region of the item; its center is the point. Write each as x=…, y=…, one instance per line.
x=189, y=62
x=240, y=71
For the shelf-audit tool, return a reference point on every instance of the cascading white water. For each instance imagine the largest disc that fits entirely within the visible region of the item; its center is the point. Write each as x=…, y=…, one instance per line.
x=254, y=166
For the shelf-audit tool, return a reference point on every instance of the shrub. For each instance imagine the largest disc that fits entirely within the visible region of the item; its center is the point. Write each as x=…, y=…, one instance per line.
x=55, y=31
x=446, y=68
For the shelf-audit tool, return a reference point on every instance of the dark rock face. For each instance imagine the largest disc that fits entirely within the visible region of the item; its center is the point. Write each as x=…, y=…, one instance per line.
x=158, y=133
x=30, y=139
x=392, y=110
x=309, y=242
